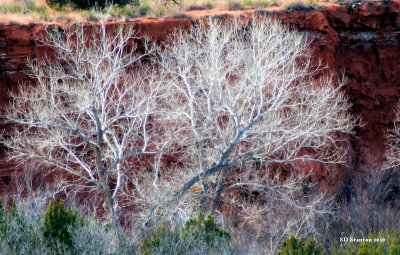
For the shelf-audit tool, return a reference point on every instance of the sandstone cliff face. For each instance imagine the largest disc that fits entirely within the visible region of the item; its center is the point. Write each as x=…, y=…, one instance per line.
x=360, y=42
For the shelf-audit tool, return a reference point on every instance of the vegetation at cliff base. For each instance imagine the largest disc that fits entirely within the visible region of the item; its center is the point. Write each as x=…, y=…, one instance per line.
x=198, y=236
x=61, y=231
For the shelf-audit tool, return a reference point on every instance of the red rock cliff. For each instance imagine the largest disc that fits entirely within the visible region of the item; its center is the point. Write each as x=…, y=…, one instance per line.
x=362, y=42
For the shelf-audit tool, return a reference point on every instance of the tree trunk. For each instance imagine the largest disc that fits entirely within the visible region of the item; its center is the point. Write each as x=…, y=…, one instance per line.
x=204, y=198
x=218, y=191
x=110, y=208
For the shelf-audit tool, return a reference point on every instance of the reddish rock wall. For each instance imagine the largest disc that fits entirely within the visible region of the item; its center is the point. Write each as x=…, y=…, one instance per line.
x=361, y=42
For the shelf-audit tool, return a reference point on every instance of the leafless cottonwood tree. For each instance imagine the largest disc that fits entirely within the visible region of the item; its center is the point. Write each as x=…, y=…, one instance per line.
x=229, y=103
x=392, y=149
x=88, y=114
x=393, y=142
x=242, y=100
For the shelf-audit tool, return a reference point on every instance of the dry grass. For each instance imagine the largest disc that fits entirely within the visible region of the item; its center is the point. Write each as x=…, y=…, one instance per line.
x=298, y=3
x=16, y=10
x=21, y=11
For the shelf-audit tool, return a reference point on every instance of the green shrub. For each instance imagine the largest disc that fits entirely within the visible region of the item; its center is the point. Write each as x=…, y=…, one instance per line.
x=234, y=5
x=126, y=11
x=209, y=4
x=20, y=234
x=275, y=3
x=57, y=4
x=89, y=14
x=57, y=223
x=395, y=247
x=61, y=233
x=90, y=4
x=382, y=243
x=265, y=3
x=247, y=2
x=10, y=8
x=144, y=10
x=159, y=11
x=3, y=218
x=12, y=223
x=206, y=228
x=41, y=11
x=198, y=236
x=100, y=4
x=296, y=246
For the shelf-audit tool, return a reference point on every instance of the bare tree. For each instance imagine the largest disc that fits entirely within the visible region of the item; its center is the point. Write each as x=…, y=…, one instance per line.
x=88, y=114
x=393, y=144
x=243, y=104
x=235, y=109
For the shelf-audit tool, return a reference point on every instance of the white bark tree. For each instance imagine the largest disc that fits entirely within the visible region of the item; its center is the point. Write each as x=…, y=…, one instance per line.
x=242, y=100
x=225, y=104
x=393, y=143
x=88, y=114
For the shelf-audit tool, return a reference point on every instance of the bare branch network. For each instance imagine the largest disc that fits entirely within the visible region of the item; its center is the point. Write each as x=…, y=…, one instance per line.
x=219, y=108
x=393, y=145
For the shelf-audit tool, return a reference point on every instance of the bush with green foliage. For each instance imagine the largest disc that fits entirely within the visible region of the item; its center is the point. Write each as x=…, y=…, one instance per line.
x=144, y=8
x=20, y=234
x=382, y=243
x=41, y=11
x=198, y=236
x=159, y=11
x=57, y=4
x=58, y=221
x=66, y=233
x=2, y=214
x=98, y=4
x=89, y=14
x=90, y=4
x=127, y=11
x=296, y=246
x=10, y=8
